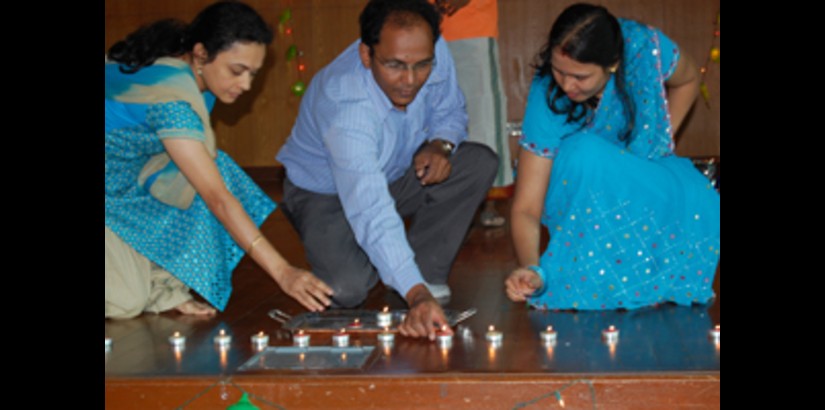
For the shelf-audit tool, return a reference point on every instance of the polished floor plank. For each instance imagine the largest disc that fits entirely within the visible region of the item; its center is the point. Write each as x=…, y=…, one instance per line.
x=661, y=340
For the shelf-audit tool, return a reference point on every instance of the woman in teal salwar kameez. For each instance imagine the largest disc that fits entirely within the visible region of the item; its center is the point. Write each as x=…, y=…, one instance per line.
x=179, y=213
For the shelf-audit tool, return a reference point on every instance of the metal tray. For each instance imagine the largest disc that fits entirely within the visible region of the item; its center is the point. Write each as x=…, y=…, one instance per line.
x=311, y=358
x=334, y=320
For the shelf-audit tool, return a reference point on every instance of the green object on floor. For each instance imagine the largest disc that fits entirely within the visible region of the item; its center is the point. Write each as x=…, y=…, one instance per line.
x=243, y=404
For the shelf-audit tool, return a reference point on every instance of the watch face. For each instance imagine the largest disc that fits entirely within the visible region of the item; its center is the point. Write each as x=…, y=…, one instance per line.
x=446, y=146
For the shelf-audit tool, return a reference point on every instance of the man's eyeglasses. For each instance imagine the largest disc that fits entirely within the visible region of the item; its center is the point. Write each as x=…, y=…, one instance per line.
x=398, y=67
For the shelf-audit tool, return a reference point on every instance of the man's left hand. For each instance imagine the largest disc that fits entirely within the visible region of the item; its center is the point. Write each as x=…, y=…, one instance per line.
x=432, y=164
x=425, y=315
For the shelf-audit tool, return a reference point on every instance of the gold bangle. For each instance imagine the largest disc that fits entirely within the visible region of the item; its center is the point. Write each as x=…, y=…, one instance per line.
x=254, y=242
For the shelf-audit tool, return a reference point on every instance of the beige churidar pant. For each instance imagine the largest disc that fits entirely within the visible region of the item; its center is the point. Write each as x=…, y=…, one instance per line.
x=135, y=284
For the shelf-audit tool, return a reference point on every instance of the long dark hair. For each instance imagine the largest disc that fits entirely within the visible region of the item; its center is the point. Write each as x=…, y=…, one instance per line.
x=588, y=34
x=217, y=27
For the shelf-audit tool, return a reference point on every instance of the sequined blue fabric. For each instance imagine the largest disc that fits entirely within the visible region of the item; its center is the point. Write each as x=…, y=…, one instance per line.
x=630, y=226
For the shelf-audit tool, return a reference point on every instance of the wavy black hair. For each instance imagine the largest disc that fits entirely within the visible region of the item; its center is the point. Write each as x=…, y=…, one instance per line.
x=376, y=13
x=217, y=27
x=588, y=34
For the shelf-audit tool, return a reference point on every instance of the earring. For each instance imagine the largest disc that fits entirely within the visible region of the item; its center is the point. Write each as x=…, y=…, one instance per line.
x=613, y=69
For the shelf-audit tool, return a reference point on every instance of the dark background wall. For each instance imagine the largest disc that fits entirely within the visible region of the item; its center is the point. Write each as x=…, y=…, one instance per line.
x=254, y=128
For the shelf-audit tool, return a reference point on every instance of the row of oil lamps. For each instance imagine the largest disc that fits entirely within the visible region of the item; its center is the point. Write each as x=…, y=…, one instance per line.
x=260, y=340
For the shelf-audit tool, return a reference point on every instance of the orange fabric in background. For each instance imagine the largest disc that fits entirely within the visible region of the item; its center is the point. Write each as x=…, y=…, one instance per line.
x=479, y=18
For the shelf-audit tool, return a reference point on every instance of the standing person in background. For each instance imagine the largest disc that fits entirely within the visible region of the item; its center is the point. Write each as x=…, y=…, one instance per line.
x=471, y=30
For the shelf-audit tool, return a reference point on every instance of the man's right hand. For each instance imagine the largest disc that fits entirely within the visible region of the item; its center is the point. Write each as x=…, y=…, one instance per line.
x=425, y=315
x=306, y=288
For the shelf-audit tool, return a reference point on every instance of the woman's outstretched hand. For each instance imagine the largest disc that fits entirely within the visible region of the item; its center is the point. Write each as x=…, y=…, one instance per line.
x=521, y=284
x=306, y=288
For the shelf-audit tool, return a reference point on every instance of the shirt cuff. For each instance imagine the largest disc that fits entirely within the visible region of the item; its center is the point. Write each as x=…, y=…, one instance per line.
x=405, y=279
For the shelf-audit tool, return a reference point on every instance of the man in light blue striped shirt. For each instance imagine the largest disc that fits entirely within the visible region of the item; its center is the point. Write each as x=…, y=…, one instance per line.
x=378, y=138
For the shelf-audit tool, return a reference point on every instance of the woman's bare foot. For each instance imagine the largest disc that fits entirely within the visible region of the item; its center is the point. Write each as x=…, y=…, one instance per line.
x=191, y=307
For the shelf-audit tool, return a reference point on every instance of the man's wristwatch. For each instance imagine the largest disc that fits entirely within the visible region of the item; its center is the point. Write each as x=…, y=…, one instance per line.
x=446, y=146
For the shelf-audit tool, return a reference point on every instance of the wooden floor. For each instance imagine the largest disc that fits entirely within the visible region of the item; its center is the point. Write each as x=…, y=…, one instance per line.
x=664, y=358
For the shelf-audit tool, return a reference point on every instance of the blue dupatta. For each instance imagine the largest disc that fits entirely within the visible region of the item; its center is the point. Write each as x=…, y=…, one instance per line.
x=169, y=79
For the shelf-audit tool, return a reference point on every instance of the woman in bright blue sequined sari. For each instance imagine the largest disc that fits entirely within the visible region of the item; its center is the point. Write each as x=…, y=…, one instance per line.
x=630, y=223
x=179, y=213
